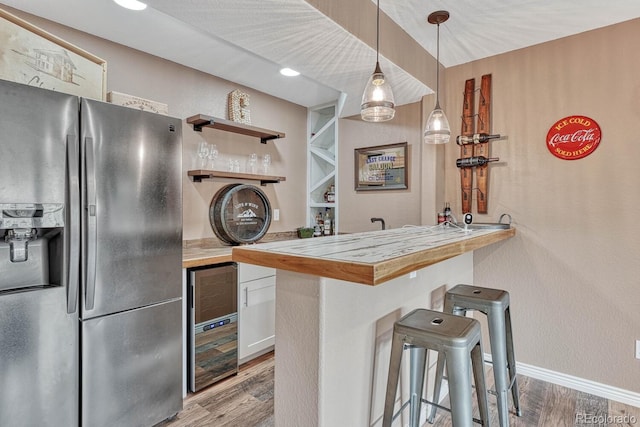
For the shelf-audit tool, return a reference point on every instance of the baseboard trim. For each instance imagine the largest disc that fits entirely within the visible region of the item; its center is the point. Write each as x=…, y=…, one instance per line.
x=597, y=389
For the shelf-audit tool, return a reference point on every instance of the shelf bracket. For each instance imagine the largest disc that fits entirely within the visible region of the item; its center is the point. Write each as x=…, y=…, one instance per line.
x=198, y=126
x=268, y=138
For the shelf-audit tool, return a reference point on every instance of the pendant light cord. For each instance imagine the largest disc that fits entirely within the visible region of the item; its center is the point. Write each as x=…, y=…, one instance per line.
x=438, y=68
x=378, y=33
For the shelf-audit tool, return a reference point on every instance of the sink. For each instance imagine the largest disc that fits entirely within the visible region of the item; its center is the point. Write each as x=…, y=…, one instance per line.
x=488, y=226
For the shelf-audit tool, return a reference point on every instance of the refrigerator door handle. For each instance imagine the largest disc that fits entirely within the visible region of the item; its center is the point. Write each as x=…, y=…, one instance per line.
x=90, y=179
x=73, y=260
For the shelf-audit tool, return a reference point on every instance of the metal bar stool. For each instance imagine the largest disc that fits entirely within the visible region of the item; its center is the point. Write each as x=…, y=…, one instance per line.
x=457, y=340
x=495, y=304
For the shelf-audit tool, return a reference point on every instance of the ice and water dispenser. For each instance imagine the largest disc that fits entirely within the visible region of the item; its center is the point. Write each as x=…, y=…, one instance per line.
x=31, y=245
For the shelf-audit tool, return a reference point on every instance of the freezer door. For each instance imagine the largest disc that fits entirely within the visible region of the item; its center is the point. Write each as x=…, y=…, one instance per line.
x=132, y=208
x=39, y=336
x=38, y=360
x=34, y=127
x=132, y=367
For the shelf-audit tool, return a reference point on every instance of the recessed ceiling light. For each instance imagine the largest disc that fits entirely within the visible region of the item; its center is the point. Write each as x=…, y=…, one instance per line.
x=289, y=72
x=131, y=4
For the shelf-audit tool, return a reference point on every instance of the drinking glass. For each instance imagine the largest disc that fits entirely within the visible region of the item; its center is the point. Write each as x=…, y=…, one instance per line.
x=213, y=155
x=253, y=163
x=203, y=152
x=266, y=162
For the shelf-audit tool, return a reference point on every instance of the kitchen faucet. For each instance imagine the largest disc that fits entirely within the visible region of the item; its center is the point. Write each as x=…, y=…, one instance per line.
x=379, y=220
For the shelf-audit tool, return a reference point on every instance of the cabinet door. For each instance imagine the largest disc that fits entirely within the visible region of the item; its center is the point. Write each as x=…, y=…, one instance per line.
x=249, y=272
x=256, y=316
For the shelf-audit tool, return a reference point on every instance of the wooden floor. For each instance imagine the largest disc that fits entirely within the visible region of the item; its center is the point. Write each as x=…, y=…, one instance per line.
x=246, y=400
x=243, y=400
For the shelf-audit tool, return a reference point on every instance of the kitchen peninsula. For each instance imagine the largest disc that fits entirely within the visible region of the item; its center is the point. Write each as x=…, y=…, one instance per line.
x=337, y=298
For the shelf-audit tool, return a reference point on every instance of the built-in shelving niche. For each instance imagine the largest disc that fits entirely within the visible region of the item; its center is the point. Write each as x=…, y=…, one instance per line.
x=322, y=161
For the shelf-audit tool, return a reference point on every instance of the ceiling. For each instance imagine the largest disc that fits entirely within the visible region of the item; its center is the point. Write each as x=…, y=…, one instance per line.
x=248, y=41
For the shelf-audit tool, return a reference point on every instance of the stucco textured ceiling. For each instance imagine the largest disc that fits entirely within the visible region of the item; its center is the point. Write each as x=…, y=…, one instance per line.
x=247, y=41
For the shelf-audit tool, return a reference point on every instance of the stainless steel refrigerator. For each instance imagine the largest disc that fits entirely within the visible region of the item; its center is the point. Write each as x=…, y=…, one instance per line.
x=90, y=262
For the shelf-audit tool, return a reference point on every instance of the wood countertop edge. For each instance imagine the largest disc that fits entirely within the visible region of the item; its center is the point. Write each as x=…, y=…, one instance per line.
x=204, y=261
x=342, y=270
x=366, y=274
x=397, y=267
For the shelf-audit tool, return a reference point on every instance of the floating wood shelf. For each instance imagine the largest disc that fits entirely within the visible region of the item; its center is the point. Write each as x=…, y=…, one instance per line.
x=199, y=174
x=200, y=121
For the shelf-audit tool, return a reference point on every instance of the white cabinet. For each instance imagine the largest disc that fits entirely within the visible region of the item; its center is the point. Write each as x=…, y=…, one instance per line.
x=256, y=310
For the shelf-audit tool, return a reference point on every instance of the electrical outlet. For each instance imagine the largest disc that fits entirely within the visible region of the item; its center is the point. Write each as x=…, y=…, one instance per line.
x=276, y=214
x=637, y=349
x=413, y=275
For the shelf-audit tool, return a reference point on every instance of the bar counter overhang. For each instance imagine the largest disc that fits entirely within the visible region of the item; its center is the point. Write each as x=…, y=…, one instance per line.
x=337, y=298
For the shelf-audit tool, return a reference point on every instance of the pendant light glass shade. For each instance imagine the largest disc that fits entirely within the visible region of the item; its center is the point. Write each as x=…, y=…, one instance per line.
x=437, y=130
x=378, y=104
x=377, y=100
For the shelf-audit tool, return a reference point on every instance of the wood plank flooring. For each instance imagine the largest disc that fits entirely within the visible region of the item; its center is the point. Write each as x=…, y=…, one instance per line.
x=243, y=400
x=246, y=400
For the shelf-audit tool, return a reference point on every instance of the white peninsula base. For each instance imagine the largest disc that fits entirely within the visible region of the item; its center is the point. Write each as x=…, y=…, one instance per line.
x=333, y=342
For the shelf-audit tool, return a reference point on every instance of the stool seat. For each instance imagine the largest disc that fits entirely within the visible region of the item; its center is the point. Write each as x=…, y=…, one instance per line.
x=429, y=327
x=495, y=304
x=478, y=298
x=458, y=340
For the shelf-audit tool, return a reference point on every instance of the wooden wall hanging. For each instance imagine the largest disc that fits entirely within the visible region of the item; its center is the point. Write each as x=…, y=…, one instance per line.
x=474, y=145
x=483, y=125
x=466, y=150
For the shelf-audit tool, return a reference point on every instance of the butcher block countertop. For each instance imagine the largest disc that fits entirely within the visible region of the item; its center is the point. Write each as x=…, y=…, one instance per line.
x=369, y=258
x=199, y=257
x=210, y=251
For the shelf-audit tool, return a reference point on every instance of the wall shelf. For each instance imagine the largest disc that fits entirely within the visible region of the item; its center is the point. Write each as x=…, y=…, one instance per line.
x=199, y=174
x=200, y=121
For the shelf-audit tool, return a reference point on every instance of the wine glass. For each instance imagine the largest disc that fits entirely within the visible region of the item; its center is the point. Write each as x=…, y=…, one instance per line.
x=203, y=152
x=266, y=162
x=213, y=155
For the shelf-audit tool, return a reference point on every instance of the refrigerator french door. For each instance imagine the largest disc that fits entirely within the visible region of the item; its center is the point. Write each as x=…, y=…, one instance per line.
x=131, y=324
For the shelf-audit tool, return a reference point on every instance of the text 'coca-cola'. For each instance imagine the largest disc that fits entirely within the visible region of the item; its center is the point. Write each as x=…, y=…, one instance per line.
x=574, y=137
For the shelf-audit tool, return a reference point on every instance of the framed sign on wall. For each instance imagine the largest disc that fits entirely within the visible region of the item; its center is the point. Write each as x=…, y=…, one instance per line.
x=383, y=167
x=32, y=56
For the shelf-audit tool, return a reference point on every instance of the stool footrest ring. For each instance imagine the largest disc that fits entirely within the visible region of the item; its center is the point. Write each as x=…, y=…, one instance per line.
x=404, y=405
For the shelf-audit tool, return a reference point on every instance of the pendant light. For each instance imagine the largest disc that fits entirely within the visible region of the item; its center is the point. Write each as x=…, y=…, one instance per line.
x=378, y=104
x=437, y=130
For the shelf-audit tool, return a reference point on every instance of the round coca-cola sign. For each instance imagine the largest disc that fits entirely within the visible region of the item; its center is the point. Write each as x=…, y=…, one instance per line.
x=574, y=137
